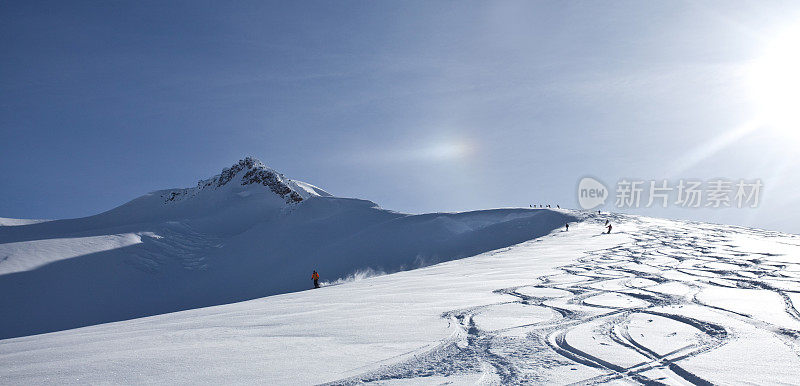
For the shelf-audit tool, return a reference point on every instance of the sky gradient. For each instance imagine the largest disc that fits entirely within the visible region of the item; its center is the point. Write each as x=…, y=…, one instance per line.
x=418, y=106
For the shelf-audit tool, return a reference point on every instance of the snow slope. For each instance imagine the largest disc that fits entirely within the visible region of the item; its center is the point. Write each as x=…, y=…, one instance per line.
x=245, y=233
x=656, y=301
x=10, y=222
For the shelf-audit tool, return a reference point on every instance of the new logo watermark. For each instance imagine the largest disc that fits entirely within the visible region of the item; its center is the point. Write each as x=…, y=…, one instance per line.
x=591, y=193
x=685, y=193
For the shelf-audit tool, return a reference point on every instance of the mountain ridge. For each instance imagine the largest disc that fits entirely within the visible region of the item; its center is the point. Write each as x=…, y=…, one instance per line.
x=239, y=235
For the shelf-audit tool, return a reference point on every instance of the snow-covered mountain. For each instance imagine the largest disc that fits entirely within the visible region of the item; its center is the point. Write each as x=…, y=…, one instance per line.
x=249, y=171
x=245, y=233
x=654, y=302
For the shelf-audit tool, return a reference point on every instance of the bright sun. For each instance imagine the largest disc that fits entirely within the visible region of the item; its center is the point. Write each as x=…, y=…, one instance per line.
x=775, y=82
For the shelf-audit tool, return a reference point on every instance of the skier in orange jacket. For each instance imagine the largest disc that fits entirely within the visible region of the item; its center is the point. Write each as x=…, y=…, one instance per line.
x=315, y=277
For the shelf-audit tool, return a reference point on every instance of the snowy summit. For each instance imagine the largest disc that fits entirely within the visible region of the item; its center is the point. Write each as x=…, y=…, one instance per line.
x=250, y=171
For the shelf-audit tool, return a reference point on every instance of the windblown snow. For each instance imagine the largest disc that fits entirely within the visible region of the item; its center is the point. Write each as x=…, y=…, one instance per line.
x=497, y=296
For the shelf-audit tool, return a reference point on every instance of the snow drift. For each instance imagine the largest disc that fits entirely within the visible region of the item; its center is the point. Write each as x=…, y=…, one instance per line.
x=248, y=232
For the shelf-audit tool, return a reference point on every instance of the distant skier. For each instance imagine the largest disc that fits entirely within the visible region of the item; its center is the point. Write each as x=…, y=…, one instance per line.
x=558, y=206
x=315, y=277
x=606, y=223
x=609, y=229
x=567, y=225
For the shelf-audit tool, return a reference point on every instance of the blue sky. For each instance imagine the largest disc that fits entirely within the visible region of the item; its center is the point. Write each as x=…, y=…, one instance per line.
x=418, y=106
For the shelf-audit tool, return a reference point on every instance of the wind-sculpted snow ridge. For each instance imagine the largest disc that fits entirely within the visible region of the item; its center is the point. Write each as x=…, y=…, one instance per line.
x=230, y=239
x=255, y=172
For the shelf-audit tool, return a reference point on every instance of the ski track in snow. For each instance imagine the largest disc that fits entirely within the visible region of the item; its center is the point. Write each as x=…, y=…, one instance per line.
x=660, y=302
x=659, y=279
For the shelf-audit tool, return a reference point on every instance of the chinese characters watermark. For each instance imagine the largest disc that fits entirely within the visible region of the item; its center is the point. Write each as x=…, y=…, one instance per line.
x=685, y=193
x=716, y=193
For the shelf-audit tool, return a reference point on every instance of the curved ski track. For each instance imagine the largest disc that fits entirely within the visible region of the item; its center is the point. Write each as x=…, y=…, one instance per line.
x=617, y=271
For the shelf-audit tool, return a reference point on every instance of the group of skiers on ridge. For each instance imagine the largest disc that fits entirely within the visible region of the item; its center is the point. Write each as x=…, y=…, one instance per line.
x=547, y=206
x=315, y=275
x=607, y=225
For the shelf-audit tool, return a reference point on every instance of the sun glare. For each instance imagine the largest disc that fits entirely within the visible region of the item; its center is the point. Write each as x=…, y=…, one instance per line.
x=775, y=82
